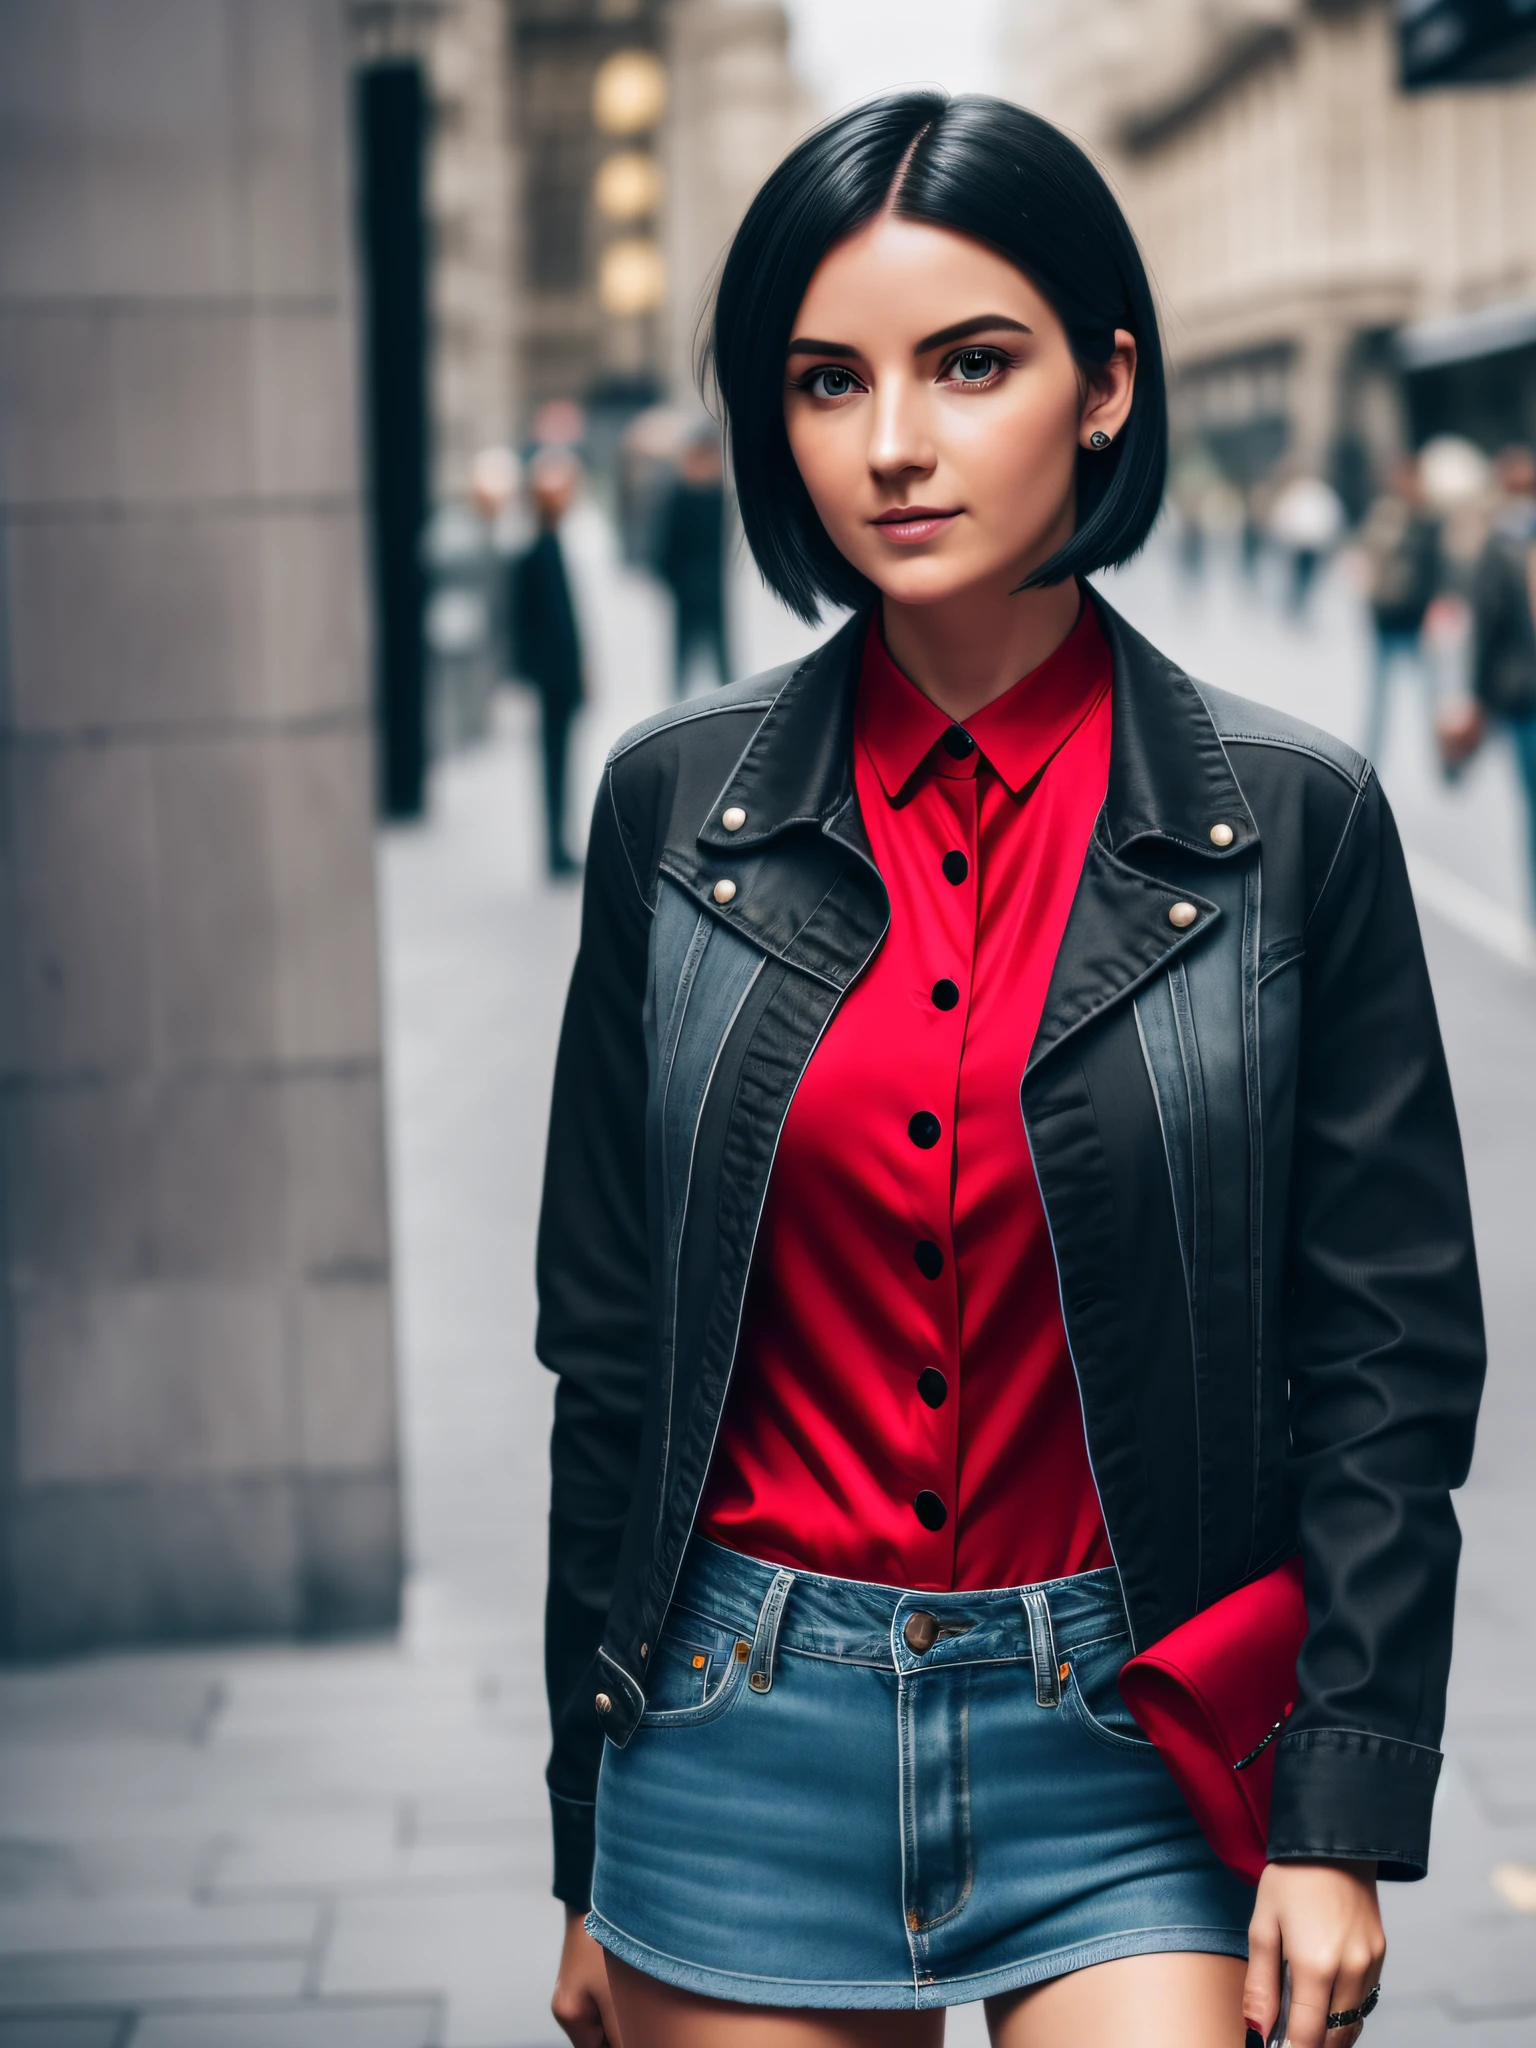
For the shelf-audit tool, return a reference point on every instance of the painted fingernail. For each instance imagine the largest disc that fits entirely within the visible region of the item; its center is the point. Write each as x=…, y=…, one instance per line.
x=1255, y=2039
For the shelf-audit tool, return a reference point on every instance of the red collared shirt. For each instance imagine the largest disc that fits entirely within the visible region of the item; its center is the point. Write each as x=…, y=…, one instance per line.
x=904, y=1406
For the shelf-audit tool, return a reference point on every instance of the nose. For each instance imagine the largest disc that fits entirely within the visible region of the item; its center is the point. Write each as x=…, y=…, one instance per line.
x=900, y=442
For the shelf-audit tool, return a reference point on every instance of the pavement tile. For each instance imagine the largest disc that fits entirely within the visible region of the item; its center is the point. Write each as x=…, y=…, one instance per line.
x=1453, y=1940
x=135, y=1980
x=1502, y=1771
x=489, y=1954
x=393, y=2023
x=147, y=1865
x=64, y=2030
x=35, y=1927
x=1432, y=2027
x=273, y=1868
x=497, y=1810
x=35, y=1869
x=73, y=1703
x=306, y=1851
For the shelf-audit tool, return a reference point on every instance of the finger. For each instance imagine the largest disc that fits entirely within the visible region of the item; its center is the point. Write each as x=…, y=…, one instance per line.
x=576, y=2014
x=1311, y=1992
x=1358, y=1971
x=1261, y=1986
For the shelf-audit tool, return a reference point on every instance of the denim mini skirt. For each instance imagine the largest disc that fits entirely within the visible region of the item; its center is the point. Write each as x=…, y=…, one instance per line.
x=845, y=1795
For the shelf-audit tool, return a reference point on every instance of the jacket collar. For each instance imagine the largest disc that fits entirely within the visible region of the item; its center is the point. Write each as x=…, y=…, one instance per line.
x=1169, y=776
x=797, y=767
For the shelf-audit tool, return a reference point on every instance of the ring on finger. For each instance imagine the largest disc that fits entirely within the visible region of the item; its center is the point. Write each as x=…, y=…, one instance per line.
x=1356, y=2013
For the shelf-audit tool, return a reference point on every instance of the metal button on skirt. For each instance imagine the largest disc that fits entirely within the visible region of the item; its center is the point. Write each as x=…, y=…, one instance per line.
x=847, y=1795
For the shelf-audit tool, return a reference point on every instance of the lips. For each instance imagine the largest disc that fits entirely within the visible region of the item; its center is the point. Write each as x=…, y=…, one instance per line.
x=914, y=522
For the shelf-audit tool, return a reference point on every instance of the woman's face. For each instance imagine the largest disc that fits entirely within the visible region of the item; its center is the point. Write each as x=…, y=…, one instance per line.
x=935, y=411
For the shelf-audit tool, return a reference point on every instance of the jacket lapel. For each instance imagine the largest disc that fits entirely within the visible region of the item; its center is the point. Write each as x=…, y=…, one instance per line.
x=1170, y=782
x=807, y=889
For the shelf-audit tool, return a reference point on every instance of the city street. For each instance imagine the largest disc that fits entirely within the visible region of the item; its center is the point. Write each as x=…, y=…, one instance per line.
x=346, y=1847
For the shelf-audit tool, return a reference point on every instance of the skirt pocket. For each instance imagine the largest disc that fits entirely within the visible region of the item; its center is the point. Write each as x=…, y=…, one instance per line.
x=699, y=1670
x=1092, y=1692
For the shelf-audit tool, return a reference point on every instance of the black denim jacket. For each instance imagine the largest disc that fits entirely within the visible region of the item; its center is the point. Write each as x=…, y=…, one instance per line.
x=1244, y=1138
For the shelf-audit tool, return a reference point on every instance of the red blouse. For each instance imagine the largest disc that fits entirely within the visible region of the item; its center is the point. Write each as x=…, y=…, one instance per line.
x=904, y=1407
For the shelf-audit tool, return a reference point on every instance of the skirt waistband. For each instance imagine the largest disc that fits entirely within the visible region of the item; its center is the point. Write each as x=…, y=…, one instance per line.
x=775, y=1608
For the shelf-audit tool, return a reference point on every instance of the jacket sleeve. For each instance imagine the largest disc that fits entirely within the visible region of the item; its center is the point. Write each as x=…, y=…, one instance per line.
x=594, y=1316
x=1385, y=1359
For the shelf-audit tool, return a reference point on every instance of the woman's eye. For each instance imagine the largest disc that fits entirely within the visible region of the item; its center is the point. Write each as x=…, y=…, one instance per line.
x=832, y=383
x=974, y=365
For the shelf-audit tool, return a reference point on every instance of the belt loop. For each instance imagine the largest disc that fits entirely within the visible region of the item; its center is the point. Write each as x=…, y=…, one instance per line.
x=766, y=1642
x=1042, y=1648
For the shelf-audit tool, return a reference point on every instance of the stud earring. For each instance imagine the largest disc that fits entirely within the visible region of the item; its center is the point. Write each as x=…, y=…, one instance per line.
x=1098, y=440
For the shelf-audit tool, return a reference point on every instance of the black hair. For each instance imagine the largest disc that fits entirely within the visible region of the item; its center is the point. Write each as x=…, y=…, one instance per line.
x=981, y=167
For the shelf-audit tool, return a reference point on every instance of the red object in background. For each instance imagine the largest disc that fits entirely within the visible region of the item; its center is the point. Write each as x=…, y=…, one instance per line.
x=1214, y=1695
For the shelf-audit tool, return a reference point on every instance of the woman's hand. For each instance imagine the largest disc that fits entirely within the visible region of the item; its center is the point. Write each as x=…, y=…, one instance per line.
x=581, y=2002
x=1324, y=1920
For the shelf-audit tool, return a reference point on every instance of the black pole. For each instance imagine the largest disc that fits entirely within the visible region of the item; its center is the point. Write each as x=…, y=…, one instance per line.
x=392, y=118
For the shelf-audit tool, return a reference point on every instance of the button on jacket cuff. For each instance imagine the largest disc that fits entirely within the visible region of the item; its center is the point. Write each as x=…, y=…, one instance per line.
x=1341, y=1794
x=575, y=1840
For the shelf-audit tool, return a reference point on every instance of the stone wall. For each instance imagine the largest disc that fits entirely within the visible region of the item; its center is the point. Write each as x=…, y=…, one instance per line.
x=197, y=1405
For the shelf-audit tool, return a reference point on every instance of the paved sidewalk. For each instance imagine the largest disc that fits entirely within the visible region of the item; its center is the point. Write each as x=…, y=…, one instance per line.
x=347, y=1847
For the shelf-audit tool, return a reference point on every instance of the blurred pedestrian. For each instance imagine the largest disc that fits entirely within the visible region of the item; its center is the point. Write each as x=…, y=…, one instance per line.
x=692, y=558
x=1187, y=484
x=1504, y=620
x=1306, y=521
x=546, y=643
x=1400, y=540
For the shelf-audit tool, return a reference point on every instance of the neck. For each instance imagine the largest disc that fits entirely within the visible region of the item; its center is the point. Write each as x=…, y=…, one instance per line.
x=971, y=648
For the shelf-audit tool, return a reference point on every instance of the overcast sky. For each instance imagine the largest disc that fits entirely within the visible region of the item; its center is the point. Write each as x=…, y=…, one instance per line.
x=847, y=49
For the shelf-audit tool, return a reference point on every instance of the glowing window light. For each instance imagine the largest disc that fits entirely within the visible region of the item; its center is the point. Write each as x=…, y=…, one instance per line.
x=631, y=276
x=629, y=93
x=628, y=185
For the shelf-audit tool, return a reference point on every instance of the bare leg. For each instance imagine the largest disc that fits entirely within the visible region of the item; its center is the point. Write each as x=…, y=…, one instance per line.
x=1168, y=2001
x=653, y=2015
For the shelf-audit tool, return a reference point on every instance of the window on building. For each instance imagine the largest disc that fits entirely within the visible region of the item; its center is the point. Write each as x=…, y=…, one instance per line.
x=556, y=188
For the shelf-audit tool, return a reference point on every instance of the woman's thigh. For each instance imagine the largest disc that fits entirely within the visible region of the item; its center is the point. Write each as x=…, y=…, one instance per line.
x=1157, y=2001
x=655, y=2015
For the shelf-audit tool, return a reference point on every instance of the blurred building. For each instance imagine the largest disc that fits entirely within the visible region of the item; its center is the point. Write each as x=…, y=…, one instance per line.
x=196, y=1365
x=643, y=128
x=1343, y=268
x=737, y=109
x=591, y=96
x=463, y=52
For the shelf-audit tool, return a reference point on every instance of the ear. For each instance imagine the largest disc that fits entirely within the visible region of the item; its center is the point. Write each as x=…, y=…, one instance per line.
x=1110, y=388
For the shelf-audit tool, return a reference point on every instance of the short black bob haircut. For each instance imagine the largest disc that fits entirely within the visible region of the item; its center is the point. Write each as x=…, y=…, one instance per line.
x=983, y=168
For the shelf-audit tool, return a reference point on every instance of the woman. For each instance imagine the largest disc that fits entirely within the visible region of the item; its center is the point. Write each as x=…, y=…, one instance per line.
x=891, y=1418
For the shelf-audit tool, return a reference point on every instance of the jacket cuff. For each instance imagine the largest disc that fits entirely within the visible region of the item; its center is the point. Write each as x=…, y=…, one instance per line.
x=1342, y=1795
x=574, y=1850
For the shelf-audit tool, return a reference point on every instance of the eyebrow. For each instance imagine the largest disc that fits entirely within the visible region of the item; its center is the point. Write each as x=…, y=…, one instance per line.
x=981, y=323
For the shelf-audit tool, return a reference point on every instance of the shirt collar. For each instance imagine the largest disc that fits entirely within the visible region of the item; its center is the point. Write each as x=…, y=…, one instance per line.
x=1017, y=733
